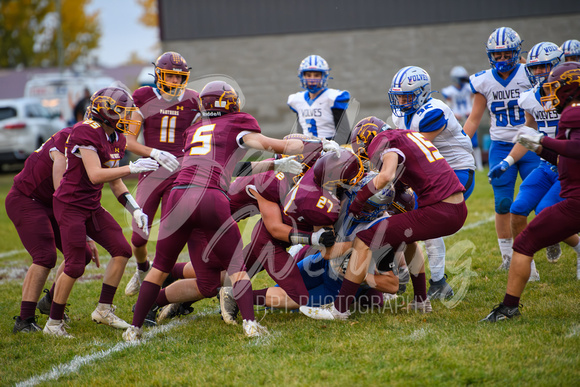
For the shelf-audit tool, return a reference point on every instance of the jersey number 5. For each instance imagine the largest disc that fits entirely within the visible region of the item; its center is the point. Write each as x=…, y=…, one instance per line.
x=202, y=139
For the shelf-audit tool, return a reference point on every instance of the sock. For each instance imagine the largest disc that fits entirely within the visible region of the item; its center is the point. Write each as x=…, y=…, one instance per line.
x=177, y=271
x=107, y=294
x=346, y=295
x=371, y=298
x=57, y=311
x=505, y=247
x=419, y=287
x=243, y=294
x=436, y=257
x=147, y=296
x=27, y=309
x=511, y=301
x=162, y=299
x=260, y=297
x=143, y=266
x=51, y=291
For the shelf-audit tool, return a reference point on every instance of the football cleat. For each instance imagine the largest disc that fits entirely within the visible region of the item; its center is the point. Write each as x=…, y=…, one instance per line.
x=534, y=276
x=388, y=297
x=228, y=305
x=135, y=282
x=253, y=329
x=44, y=304
x=57, y=328
x=25, y=326
x=420, y=306
x=173, y=310
x=105, y=314
x=132, y=334
x=325, y=312
x=501, y=312
x=506, y=261
x=439, y=290
x=553, y=253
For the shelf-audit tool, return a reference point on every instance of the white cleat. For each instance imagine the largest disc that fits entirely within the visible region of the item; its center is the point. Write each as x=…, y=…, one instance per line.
x=388, y=297
x=167, y=312
x=135, y=282
x=105, y=314
x=133, y=334
x=423, y=307
x=534, y=276
x=506, y=261
x=228, y=305
x=57, y=328
x=253, y=329
x=325, y=312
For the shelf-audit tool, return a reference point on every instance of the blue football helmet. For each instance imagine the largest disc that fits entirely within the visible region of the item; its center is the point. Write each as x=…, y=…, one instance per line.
x=571, y=50
x=544, y=54
x=413, y=84
x=459, y=75
x=318, y=64
x=504, y=39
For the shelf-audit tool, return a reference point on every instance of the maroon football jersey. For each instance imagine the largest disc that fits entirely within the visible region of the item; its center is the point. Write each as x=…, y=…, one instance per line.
x=308, y=205
x=212, y=150
x=569, y=168
x=272, y=186
x=35, y=180
x=421, y=166
x=76, y=188
x=165, y=121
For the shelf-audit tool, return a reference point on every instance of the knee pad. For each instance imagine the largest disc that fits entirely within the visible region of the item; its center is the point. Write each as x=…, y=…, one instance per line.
x=137, y=240
x=122, y=251
x=503, y=205
x=208, y=291
x=74, y=269
x=48, y=262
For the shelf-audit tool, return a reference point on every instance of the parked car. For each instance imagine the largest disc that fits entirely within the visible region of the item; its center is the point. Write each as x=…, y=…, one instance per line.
x=24, y=126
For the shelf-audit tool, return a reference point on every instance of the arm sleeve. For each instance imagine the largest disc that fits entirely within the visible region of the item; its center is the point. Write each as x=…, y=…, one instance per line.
x=568, y=148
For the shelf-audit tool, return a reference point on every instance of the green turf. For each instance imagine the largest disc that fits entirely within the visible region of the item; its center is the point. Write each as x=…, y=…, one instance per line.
x=390, y=347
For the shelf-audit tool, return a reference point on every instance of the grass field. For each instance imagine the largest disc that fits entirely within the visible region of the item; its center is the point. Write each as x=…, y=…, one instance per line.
x=389, y=347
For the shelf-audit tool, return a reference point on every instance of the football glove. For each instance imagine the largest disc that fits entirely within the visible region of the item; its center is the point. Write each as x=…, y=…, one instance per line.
x=288, y=165
x=165, y=159
x=331, y=146
x=530, y=138
x=142, y=220
x=143, y=165
x=323, y=237
x=499, y=169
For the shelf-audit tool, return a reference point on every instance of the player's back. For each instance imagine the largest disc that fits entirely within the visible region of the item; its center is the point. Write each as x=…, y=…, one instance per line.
x=569, y=168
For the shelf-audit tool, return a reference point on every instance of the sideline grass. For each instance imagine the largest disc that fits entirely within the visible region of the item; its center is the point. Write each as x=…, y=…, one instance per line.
x=446, y=347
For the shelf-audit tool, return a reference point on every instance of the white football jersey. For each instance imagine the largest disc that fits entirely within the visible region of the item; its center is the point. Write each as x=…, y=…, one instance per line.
x=315, y=116
x=460, y=100
x=453, y=144
x=502, y=100
x=547, y=120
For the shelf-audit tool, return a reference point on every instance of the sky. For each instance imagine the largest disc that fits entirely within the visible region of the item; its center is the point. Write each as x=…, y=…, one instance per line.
x=120, y=25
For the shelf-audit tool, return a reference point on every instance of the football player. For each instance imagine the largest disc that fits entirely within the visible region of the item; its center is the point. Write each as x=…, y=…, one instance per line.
x=541, y=188
x=562, y=93
x=93, y=151
x=321, y=111
x=406, y=156
x=29, y=207
x=168, y=109
x=571, y=50
x=413, y=108
x=498, y=89
x=199, y=204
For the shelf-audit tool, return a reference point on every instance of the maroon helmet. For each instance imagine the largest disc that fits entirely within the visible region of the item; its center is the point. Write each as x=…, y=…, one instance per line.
x=307, y=160
x=403, y=201
x=331, y=172
x=218, y=96
x=363, y=133
x=114, y=107
x=171, y=63
x=562, y=86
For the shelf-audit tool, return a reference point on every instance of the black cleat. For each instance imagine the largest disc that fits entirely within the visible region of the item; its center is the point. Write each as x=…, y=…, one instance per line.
x=151, y=318
x=25, y=326
x=439, y=290
x=44, y=304
x=502, y=312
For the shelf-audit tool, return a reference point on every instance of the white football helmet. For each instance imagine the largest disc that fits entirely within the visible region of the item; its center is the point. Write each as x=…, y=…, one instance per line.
x=314, y=63
x=459, y=75
x=571, y=50
x=504, y=39
x=410, y=89
x=544, y=54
